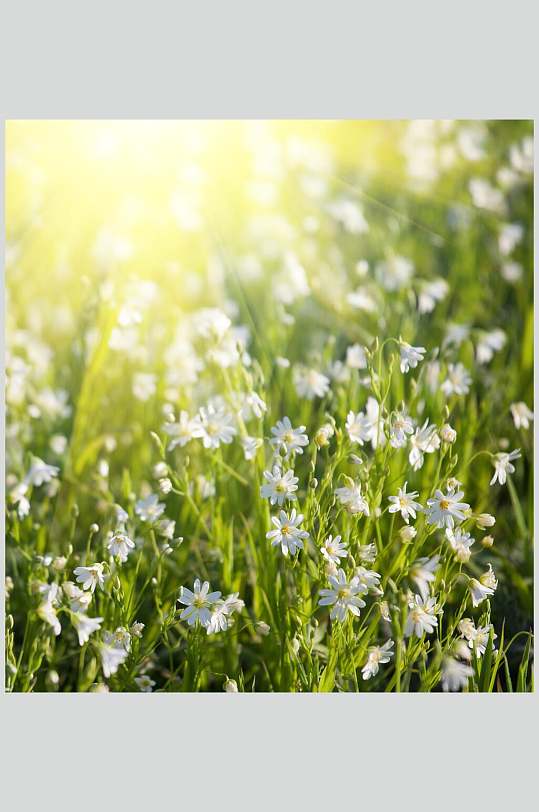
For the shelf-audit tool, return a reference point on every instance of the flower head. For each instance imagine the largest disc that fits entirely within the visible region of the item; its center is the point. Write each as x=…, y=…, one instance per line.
x=288, y=532
x=197, y=603
x=343, y=596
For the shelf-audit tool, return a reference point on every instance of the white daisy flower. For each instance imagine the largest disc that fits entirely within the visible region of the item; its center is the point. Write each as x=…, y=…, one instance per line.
x=356, y=357
x=287, y=532
x=181, y=432
x=280, y=486
x=149, y=509
x=421, y=616
x=457, y=382
x=310, y=384
x=483, y=587
x=145, y=683
x=443, y=509
x=401, y=426
x=358, y=427
x=40, y=473
x=410, y=356
x=288, y=439
x=90, y=577
x=121, y=545
x=461, y=543
x=343, y=596
x=250, y=446
x=503, y=465
x=423, y=574
x=78, y=599
x=405, y=504
x=253, y=405
x=477, y=637
x=425, y=440
x=352, y=499
x=377, y=655
x=112, y=654
x=522, y=416
x=214, y=426
x=197, y=603
x=333, y=549
x=85, y=626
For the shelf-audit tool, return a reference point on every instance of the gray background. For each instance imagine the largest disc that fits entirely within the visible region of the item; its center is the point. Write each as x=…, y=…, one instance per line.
x=284, y=60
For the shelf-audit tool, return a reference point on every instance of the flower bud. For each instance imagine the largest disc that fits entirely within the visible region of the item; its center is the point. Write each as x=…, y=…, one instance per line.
x=487, y=542
x=262, y=628
x=485, y=520
x=407, y=533
x=230, y=686
x=58, y=563
x=94, y=528
x=165, y=486
x=323, y=435
x=448, y=434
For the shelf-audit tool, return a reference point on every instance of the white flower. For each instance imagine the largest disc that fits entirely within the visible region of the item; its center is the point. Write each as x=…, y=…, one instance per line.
x=461, y=543
x=222, y=612
x=443, y=509
x=143, y=385
x=253, y=404
x=477, y=638
x=288, y=439
x=509, y=237
x=333, y=549
x=457, y=382
x=47, y=609
x=484, y=587
x=113, y=654
x=367, y=552
x=421, y=616
x=361, y=300
x=401, y=426
x=145, y=683
x=279, y=486
x=424, y=441
x=250, y=446
x=149, y=509
x=78, y=599
x=522, y=416
x=369, y=579
x=455, y=674
x=85, y=626
x=310, y=384
x=423, y=573
x=214, y=426
x=120, y=544
x=410, y=356
x=181, y=432
x=40, y=472
x=503, y=465
x=343, y=595
x=404, y=502
x=349, y=214
x=352, y=499
x=377, y=655
x=197, y=603
x=287, y=533
x=19, y=498
x=488, y=344
x=356, y=357
x=395, y=273
x=358, y=427
x=137, y=629
x=448, y=434
x=430, y=293
x=90, y=577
